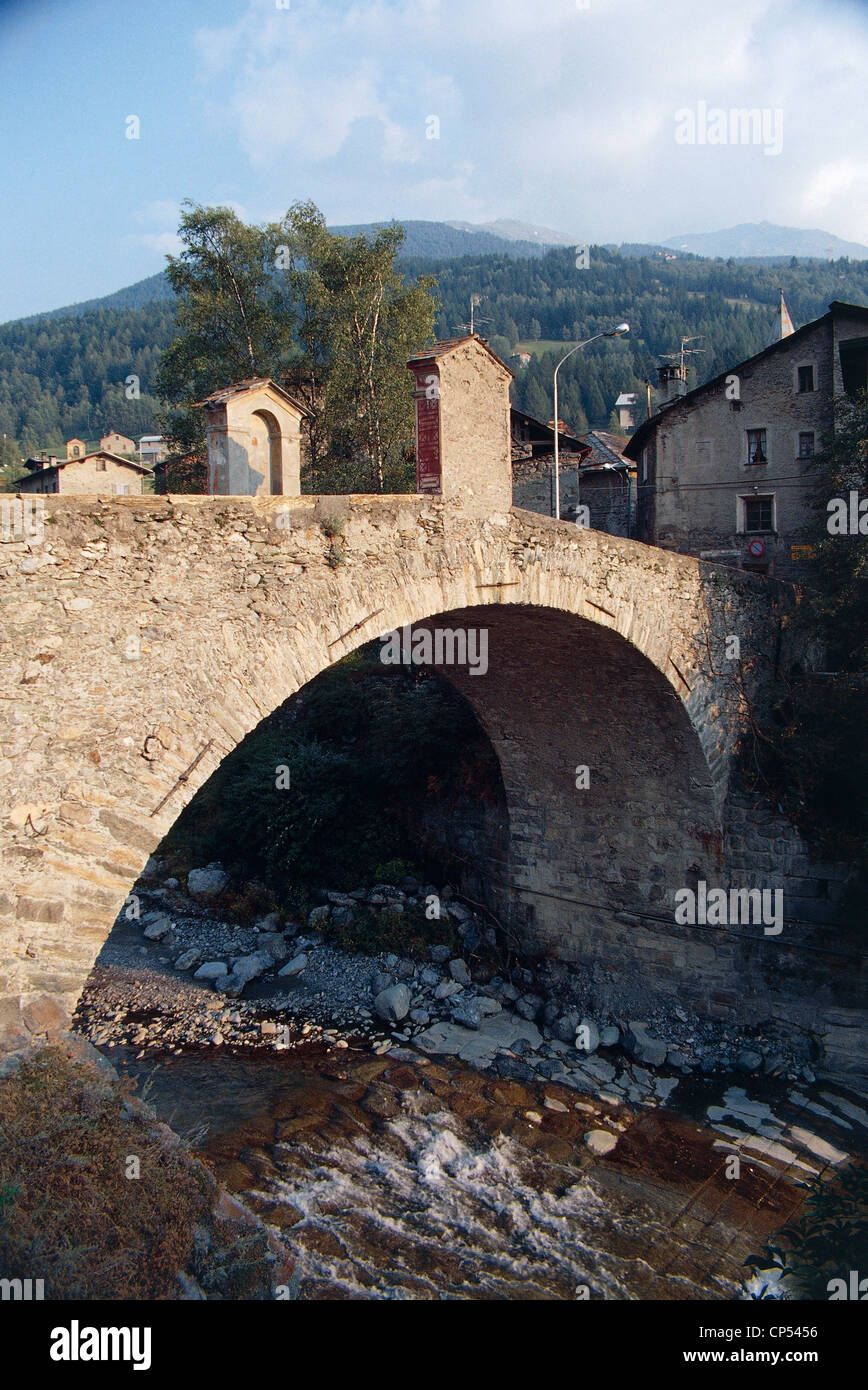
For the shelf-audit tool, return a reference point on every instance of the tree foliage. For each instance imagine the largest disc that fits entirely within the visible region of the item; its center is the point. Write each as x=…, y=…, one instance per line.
x=234, y=320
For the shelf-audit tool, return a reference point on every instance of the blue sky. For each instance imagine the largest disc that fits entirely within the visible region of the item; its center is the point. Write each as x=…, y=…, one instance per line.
x=557, y=112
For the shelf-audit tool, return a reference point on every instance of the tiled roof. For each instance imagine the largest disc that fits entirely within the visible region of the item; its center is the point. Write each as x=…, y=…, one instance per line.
x=255, y=383
x=447, y=345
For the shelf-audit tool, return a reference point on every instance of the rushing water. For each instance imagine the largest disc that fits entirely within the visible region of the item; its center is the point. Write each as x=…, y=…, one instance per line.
x=393, y=1179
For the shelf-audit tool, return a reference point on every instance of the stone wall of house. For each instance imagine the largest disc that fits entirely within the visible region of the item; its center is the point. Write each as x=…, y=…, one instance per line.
x=87, y=479
x=699, y=465
x=145, y=637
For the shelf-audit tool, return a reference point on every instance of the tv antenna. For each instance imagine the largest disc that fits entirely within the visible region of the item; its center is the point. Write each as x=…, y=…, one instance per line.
x=685, y=351
x=475, y=299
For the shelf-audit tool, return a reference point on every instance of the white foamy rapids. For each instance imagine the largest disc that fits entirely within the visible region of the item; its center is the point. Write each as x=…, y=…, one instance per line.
x=434, y=1217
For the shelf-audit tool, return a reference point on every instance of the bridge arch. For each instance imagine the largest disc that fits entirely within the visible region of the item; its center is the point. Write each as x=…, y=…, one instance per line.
x=147, y=637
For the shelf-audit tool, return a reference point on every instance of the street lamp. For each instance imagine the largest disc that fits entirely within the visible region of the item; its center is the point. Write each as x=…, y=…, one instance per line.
x=612, y=333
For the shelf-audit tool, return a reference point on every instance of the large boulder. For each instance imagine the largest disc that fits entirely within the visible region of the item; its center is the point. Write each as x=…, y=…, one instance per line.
x=642, y=1047
x=296, y=966
x=274, y=943
x=158, y=926
x=393, y=1004
x=207, y=882
x=245, y=969
x=458, y=970
x=212, y=970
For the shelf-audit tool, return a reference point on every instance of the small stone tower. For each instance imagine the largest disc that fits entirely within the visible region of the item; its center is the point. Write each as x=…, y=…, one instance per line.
x=253, y=432
x=463, y=447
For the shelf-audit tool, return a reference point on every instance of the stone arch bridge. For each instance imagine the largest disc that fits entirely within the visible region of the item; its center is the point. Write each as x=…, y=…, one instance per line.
x=144, y=637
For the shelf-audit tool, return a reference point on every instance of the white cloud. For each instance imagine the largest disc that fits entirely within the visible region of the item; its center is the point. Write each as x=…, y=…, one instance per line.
x=564, y=115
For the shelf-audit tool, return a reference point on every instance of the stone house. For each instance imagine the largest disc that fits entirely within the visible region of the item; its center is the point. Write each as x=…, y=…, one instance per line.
x=593, y=473
x=75, y=448
x=94, y=474
x=152, y=449
x=114, y=443
x=533, y=464
x=724, y=470
x=607, y=484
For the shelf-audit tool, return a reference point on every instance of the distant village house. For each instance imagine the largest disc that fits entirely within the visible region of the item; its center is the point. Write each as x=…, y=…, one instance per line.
x=94, y=473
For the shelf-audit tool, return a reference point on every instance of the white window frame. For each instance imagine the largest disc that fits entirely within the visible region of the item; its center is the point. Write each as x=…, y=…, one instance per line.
x=749, y=430
x=741, y=513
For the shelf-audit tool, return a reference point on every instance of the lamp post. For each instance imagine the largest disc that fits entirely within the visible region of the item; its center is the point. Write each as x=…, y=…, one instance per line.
x=612, y=333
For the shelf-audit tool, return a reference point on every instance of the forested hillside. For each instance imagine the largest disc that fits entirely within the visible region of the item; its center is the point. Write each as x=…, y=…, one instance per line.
x=64, y=376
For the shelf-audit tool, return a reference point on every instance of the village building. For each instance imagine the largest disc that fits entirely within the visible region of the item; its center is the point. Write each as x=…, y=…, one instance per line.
x=533, y=464
x=626, y=410
x=114, y=443
x=253, y=437
x=607, y=485
x=593, y=471
x=152, y=449
x=75, y=448
x=725, y=470
x=96, y=473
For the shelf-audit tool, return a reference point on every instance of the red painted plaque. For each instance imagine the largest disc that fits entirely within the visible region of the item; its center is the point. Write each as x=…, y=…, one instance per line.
x=427, y=393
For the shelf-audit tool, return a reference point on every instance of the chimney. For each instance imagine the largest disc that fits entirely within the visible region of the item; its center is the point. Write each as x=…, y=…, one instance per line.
x=671, y=382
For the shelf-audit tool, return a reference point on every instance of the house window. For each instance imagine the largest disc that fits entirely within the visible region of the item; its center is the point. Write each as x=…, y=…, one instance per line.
x=758, y=513
x=100, y=465
x=756, y=446
x=806, y=444
x=806, y=379
x=645, y=464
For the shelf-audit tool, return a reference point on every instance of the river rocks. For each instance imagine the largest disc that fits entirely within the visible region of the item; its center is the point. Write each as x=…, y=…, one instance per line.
x=158, y=927
x=393, y=1004
x=245, y=969
x=211, y=970
x=208, y=882
x=439, y=954
x=466, y=1012
x=529, y=1006
x=564, y=1028
x=296, y=966
x=609, y=1037
x=319, y=916
x=458, y=970
x=188, y=959
x=642, y=1047
x=447, y=989
x=749, y=1060
x=429, y=978
x=600, y=1141
x=269, y=923
x=273, y=943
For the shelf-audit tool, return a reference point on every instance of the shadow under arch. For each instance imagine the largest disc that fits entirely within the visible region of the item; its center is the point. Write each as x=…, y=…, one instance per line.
x=266, y=453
